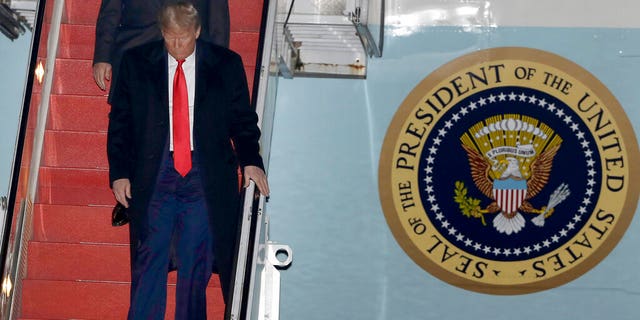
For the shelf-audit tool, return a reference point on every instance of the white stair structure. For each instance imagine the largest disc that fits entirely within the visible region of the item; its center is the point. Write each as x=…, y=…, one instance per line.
x=328, y=38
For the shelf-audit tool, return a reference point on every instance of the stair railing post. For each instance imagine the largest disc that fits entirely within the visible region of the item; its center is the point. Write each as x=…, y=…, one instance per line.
x=25, y=227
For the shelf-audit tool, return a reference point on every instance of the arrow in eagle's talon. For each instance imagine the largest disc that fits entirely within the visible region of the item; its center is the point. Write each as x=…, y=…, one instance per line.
x=539, y=220
x=559, y=195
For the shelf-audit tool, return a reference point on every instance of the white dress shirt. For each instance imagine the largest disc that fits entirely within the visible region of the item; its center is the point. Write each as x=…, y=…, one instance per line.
x=189, y=68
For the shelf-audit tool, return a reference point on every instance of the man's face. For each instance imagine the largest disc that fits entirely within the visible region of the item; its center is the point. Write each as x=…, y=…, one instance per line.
x=180, y=42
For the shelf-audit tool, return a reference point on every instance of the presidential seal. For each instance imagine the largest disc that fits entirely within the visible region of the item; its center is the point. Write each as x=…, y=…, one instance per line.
x=508, y=171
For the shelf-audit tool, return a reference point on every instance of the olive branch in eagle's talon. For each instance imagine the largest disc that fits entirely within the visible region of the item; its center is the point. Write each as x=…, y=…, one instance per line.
x=470, y=207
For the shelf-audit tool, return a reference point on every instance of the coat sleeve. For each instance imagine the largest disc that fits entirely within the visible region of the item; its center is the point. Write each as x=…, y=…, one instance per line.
x=106, y=28
x=217, y=21
x=244, y=130
x=120, y=131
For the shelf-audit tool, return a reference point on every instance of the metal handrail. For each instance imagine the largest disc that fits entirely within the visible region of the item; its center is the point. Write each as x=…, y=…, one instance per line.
x=253, y=217
x=15, y=269
x=242, y=257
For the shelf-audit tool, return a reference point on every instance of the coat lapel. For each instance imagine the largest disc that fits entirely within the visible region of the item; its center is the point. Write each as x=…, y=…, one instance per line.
x=158, y=70
x=207, y=90
x=156, y=110
x=206, y=62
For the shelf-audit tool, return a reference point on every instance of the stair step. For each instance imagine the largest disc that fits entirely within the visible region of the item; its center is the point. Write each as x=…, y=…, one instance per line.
x=70, y=149
x=61, y=261
x=100, y=263
x=76, y=41
x=78, y=113
x=250, y=72
x=245, y=44
x=81, y=12
x=77, y=224
x=42, y=47
x=245, y=15
x=50, y=299
x=67, y=186
x=74, y=300
x=75, y=77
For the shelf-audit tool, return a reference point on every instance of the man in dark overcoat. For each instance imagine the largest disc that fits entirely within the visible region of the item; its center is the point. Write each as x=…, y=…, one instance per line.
x=124, y=24
x=192, y=215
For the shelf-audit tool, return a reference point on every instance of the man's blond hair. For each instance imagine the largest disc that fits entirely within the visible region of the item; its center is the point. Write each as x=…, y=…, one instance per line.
x=182, y=14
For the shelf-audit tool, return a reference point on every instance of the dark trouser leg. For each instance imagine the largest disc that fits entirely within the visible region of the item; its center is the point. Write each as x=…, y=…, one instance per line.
x=149, y=270
x=194, y=262
x=154, y=233
x=193, y=248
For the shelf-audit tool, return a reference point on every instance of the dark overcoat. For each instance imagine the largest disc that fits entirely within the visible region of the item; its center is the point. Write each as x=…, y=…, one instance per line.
x=139, y=130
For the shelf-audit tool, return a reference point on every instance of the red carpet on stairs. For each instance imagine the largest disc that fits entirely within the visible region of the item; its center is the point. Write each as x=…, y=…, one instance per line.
x=77, y=266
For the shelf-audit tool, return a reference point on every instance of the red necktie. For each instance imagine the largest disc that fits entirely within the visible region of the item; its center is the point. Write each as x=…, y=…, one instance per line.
x=181, y=132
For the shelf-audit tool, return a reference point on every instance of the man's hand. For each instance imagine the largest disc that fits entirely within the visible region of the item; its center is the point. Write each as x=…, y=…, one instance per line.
x=122, y=191
x=259, y=177
x=102, y=74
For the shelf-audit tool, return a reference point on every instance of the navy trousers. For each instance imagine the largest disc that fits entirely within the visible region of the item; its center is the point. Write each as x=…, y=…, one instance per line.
x=177, y=215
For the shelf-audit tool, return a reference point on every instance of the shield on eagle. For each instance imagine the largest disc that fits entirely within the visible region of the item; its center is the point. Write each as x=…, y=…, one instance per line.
x=509, y=195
